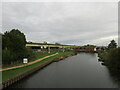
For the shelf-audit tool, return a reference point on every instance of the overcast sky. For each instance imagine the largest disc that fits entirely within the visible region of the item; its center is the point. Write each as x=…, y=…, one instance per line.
x=63, y=22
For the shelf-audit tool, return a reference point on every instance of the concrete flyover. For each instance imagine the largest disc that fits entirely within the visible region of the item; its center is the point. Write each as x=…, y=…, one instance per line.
x=48, y=47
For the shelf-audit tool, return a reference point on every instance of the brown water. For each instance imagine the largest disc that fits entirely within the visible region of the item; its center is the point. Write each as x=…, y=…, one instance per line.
x=79, y=71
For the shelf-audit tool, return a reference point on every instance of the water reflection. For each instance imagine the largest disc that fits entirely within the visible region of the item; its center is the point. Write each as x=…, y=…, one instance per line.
x=88, y=53
x=116, y=77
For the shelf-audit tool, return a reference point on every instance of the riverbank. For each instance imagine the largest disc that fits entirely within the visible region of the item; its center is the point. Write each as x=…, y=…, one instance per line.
x=14, y=75
x=111, y=59
x=36, y=56
x=30, y=63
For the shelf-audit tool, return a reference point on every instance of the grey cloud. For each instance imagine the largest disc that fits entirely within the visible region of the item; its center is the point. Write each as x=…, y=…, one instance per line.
x=66, y=22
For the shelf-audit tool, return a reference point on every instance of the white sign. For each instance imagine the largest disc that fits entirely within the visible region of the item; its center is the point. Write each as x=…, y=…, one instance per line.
x=25, y=60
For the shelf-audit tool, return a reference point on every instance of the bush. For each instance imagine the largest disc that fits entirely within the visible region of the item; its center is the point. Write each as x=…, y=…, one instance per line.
x=111, y=58
x=114, y=59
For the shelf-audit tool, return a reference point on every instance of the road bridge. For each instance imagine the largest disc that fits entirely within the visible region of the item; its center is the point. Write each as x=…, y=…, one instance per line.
x=47, y=47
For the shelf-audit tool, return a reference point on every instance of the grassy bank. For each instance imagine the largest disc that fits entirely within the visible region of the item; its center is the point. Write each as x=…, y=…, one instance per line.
x=14, y=72
x=37, y=55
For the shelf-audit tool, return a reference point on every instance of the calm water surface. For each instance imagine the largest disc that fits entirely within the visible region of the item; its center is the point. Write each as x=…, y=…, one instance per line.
x=79, y=71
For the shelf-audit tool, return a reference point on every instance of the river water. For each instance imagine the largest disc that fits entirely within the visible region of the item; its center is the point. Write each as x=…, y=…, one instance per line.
x=80, y=71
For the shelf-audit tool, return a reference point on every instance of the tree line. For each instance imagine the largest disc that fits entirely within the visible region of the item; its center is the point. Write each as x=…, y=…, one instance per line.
x=14, y=47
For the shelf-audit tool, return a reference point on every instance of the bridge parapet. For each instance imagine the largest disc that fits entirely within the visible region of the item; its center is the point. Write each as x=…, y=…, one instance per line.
x=39, y=46
x=49, y=45
x=93, y=48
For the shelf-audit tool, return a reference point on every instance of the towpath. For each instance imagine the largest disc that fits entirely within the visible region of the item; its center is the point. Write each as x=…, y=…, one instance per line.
x=28, y=63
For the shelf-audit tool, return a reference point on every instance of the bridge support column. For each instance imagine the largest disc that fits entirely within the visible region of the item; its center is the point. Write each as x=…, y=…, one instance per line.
x=48, y=49
x=63, y=49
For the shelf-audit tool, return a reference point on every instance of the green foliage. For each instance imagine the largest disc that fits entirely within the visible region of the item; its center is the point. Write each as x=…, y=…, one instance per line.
x=13, y=46
x=103, y=56
x=6, y=55
x=111, y=57
x=8, y=74
x=88, y=45
x=112, y=44
x=30, y=53
x=114, y=59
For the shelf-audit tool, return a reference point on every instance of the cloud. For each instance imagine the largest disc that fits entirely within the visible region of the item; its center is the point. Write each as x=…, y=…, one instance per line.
x=64, y=22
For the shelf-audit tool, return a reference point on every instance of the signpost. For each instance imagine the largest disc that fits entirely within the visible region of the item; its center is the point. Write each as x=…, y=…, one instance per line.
x=25, y=61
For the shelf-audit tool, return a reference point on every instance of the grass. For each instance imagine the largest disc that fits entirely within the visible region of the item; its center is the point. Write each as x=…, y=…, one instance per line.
x=14, y=72
x=38, y=55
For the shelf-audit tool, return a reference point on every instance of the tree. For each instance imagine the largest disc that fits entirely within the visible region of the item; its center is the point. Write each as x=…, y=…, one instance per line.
x=112, y=45
x=45, y=42
x=88, y=45
x=14, y=45
x=7, y=56
x=57, y=43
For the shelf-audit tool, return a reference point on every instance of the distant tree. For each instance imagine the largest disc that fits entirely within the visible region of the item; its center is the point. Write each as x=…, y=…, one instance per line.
x=88, y=45
x=57, y=43
x=45, y=42
x=29, y=42
x=112, y=45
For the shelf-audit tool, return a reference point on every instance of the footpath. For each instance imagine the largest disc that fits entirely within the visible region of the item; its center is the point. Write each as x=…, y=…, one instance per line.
x=28, y=63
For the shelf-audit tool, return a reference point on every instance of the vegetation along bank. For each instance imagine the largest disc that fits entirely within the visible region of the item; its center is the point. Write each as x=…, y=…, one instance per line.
x=111, y=58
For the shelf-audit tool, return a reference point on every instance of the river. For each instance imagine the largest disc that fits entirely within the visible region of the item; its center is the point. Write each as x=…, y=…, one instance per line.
x=80, y=71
